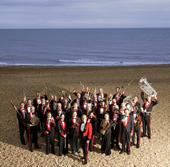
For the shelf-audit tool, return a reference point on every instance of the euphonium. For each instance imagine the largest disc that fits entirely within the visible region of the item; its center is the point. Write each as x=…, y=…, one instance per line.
x=146, y=87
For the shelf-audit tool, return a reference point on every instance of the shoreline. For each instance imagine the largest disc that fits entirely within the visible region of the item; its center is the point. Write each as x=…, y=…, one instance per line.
x=79, y=66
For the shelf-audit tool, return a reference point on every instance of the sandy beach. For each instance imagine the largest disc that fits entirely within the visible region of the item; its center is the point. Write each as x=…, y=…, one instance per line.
x=16, y=81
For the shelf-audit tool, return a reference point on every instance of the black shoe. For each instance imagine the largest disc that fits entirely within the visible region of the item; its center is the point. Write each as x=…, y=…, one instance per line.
x=85, y=162
x=137, y=146
x=73, y=152
x=118, y=147
x=82, y=158
x=31, y=149
x=37, y=147
x=128, y=152
x=144, y=135
x=121, y=152
x=108, y=154
x=133, y=144
x=23, y=143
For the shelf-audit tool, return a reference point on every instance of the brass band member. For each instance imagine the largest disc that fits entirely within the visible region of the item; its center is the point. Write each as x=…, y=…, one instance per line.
x=86, y=134
x=137, y=121
x=127, y=131
x=74, y=128
x=62, y=135
x=21, y=112
x=32, y=125
x=105, y=130
x=148, y=105
x=50, y=133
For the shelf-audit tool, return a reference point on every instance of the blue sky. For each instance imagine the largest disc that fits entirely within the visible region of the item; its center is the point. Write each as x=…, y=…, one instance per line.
x=84, y=13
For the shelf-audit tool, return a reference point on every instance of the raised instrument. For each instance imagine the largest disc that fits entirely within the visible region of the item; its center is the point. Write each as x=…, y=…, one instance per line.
x=146, y=87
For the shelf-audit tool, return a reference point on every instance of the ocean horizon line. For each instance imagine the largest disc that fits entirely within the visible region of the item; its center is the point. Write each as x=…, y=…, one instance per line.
x=81, y=28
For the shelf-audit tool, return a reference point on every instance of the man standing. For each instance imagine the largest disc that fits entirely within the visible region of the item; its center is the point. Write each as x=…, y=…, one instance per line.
x=137, y=121
x=21, y=112
x=127, y=131
x=105, y=130
x=49, y=133
x=32, y=126
x=148, y=105
x=86, y=134
x=62, y=135
x=74, y=128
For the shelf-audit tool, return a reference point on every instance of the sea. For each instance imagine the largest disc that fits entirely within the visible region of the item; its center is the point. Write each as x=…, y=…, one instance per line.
x=84, y=47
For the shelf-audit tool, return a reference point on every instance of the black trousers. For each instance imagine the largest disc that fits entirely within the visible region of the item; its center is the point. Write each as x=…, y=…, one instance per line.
x=106, y=143
x=42, y=126
x=146, y=120
x=85, y=147
x=50, y=142
x=115, y=136
x=125, y=140
x=22, y=130
x=62, y=145
x=32, y=137
x=74, y=143
x=91, y=144
x=136, y=134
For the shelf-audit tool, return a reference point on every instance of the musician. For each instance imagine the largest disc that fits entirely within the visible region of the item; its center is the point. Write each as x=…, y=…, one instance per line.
x=32, y=128
x=115, y=118
x=28, y=105
x=50, y=133
x=100, y=113
x=137, y=121
x=53, y=105
x=77, y=99
x=127, y=130
x=37, y=101
x=86, y=134
x=40, y=114
x=74, y=128
x=100, y=95
x=47, y=109
x=59, y=112
x=148, y=105
x=62, y=130
x=119, y=96
x=105, y=131
x=21, y=112
x=76, y=108
x=93, y=120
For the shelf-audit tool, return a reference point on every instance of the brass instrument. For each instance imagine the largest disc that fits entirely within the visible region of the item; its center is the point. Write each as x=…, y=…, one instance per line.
x=34, y=121
x=146, y=87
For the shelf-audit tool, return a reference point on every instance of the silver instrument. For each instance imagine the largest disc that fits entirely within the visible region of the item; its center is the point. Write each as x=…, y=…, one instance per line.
x=146, y=87
x=128, y=100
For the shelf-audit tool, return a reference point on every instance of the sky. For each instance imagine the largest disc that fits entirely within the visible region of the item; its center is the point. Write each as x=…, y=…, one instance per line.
x=84, y=13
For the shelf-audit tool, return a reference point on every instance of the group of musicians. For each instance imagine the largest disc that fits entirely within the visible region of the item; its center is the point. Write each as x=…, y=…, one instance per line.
x=115, y=121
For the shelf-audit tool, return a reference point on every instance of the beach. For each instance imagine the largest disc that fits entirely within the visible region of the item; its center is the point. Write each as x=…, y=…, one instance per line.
x=17, y=81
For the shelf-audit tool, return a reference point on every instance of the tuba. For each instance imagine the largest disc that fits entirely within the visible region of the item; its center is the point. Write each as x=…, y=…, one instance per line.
x=146, y=87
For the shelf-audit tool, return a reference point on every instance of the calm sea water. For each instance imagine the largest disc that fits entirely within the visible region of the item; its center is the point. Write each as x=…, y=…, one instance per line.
x=81, y=47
